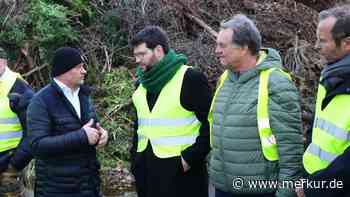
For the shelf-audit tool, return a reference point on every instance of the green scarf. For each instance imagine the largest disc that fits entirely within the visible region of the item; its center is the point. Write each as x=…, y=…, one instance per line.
x=161, y=72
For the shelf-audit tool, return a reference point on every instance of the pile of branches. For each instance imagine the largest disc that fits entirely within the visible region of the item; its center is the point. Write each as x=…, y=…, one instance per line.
x=288, y=26
x=320, y=4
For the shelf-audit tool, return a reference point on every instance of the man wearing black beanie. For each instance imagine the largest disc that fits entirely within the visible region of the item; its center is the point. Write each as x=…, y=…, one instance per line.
x=65, y=132
x=65, y=59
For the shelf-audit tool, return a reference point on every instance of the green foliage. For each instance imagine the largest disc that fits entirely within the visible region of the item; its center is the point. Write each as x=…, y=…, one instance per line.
x=114, y=37
x=45, y=25
x=51, y=26
x=80, y=8
x=12, y=32
x=114, y=108
x=111, y=25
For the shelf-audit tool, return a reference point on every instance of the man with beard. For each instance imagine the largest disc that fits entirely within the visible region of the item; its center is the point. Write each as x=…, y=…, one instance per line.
x=327, y=157
x=172, y=101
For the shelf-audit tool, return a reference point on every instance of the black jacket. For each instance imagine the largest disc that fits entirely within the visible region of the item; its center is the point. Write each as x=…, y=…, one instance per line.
x=336, y=83
x=165, y=177
x=66, y=165
x=339, y=169
x=20, y=96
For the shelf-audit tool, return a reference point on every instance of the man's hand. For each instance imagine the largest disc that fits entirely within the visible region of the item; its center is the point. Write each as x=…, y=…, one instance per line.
x=103, y=136
x=92, y=133
x=185, y=166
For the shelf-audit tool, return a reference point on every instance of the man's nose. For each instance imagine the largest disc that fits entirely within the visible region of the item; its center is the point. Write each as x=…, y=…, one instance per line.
x=317, y=45
x=83, y=70
x=137, y=60
x=217, y=51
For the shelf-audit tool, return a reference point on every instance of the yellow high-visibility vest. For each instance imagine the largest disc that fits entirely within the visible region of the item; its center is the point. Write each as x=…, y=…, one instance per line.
x=10, y=126
x=168, y=127
x=267, y=139
x=330, y=133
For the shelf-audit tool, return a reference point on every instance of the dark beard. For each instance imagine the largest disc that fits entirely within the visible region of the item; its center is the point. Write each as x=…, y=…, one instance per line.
x=153, y=61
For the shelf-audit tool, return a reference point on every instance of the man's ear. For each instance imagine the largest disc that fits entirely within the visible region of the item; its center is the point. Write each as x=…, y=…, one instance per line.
x=346, y=44
x=159, y=52
x=159, y=49
x=246, y=50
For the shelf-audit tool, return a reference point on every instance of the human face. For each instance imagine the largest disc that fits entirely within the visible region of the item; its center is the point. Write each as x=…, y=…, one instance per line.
x=228, y=54
x=3, y=64
x=325, y=42
x=75, y=76
x=145, y=57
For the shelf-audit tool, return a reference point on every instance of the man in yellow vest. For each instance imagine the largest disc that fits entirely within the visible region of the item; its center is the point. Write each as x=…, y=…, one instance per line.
x=327, y=158
x=172, y=101
x=255, y=117
x=15, y=153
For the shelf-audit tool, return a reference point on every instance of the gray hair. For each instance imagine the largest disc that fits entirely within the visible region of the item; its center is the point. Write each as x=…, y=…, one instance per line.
x=245, y=32
x=341, y=28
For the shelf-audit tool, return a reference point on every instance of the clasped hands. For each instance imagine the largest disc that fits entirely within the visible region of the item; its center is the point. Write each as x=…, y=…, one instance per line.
x=96, y=136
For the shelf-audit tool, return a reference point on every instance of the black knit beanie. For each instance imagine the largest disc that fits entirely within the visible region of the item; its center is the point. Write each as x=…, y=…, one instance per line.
x=65, y=58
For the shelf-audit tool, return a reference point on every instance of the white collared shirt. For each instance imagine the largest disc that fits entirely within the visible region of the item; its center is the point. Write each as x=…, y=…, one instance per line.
x=6, y=72
x=71, y=95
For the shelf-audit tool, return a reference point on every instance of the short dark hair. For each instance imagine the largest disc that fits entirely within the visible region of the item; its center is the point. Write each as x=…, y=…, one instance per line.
x=152, y=36
x=341, y=28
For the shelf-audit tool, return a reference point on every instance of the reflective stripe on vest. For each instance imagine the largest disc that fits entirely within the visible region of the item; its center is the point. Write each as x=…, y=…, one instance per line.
x=332, y=129
x=167, y=122
x=10, y=135
x=330, y=134
x=10, y=126
x=323, y=155
x=168, y=127
x=267, y=139
x=172, y=140
x=14, y=120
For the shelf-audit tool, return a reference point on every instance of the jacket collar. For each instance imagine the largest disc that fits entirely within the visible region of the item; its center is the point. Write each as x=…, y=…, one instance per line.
x=84, y=90
x=83, y=98
x=336, y=79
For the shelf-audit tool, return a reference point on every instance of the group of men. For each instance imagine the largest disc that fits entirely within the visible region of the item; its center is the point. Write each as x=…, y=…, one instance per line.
x=250, y=128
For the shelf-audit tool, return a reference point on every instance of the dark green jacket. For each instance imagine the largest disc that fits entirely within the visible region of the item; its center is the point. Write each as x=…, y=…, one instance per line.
x=236, y=151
